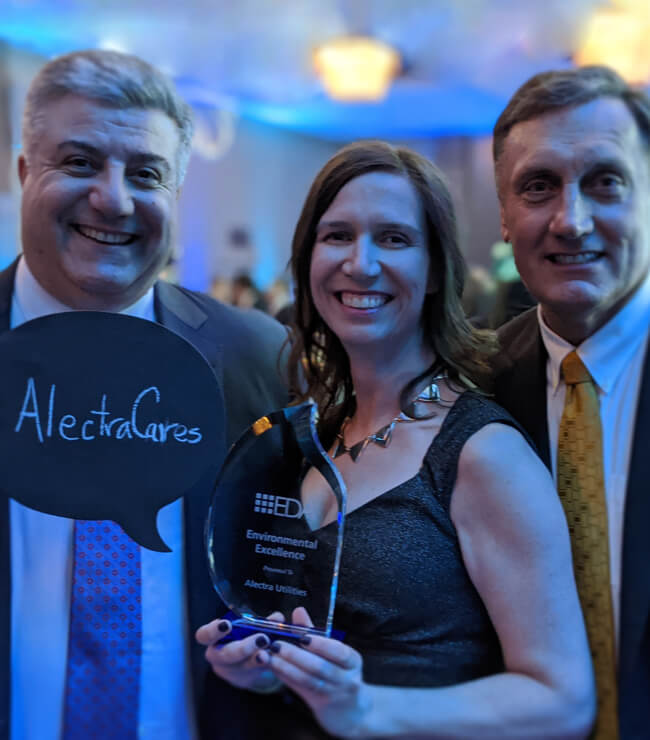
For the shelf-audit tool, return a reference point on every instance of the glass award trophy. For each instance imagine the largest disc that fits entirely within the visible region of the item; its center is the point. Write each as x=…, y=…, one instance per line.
x=264, y=555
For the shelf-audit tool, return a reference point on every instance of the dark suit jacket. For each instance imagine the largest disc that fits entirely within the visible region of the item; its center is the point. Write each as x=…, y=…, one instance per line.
x=520, y=386
x=243, y=349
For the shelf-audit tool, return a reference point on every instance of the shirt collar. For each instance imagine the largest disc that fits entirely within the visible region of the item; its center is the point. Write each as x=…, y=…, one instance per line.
x=606, y=352
x=31, y=300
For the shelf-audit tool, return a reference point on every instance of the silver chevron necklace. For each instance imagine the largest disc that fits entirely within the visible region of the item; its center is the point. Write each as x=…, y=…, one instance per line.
x=383, y=436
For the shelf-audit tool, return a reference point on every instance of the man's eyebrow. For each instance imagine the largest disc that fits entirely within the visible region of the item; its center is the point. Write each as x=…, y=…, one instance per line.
x=533, y=171
x=82, y=145
x=609, y=163
x=137, y=159
x=141, y=159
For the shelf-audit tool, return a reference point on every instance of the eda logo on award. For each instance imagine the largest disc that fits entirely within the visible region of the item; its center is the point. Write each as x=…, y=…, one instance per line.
x=268, y=503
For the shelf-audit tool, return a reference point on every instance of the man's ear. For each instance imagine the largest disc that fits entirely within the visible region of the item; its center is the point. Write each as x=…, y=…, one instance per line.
x=22, y=168
x=504, y=229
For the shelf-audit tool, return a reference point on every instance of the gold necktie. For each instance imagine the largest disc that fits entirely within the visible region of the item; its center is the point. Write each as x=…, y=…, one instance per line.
x=581, y=486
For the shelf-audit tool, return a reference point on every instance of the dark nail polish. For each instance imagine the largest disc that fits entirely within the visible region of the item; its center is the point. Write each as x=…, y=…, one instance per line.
x=259, y=659
x=305, y=640
x=274, y=647
x=223, y=626
x=262, y=641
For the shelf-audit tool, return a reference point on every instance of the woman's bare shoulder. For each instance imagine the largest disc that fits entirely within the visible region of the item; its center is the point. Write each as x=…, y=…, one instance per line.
x=499, y=467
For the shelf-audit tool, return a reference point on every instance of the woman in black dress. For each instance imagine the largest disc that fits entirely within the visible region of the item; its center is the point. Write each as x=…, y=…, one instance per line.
x=456, y=590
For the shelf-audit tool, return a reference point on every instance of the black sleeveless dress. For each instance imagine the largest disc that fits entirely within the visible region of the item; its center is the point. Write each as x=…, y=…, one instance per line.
x=405, y=600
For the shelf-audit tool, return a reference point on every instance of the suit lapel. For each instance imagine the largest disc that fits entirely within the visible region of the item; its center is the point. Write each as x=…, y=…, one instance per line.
x=7, y=278
x=635, y=587
x=177, y=312
x=6, y=291
x=521, y=386
x=5, y=620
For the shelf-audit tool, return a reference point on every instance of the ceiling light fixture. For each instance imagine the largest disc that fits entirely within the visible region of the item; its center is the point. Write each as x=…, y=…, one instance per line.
x=356, y=68
x=618, y=37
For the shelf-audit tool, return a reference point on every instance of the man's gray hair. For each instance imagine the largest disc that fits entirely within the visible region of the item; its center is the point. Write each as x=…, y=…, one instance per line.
x=113, y=79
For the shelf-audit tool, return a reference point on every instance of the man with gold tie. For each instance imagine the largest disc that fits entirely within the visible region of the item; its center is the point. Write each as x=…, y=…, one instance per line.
x=572, y=161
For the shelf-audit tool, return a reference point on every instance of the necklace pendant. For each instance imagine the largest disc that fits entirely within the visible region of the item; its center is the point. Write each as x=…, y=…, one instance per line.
x=383, y=436
x=356, y=450
x=430, y=394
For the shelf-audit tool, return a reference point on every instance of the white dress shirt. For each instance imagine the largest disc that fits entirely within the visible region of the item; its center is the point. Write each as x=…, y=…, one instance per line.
x=41, y=574
x=614, y=356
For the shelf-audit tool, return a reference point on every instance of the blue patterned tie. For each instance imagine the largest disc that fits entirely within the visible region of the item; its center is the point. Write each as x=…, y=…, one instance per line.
x=104, y=643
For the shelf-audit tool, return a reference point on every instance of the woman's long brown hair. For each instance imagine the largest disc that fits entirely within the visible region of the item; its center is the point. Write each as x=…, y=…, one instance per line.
x=318, y=365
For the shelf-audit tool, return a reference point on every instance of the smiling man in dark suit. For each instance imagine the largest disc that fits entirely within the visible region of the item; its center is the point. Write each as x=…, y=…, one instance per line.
x=572, y=159
x=106, y=141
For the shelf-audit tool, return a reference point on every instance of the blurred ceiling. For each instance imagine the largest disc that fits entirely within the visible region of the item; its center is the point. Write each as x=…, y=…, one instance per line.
x=461, y=59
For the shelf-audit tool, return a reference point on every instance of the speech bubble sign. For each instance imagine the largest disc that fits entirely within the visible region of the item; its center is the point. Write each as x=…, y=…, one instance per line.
x=104, y=416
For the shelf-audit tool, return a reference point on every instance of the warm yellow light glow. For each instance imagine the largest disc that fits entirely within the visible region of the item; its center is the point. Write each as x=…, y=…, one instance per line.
x=356, y=68
x=636, y=7
x=619, y=39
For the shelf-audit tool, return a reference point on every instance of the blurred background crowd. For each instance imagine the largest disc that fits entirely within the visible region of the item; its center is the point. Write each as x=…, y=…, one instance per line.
x=492, y=295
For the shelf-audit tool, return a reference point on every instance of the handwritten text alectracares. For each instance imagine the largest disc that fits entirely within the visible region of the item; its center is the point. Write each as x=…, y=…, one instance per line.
x=101, y=422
